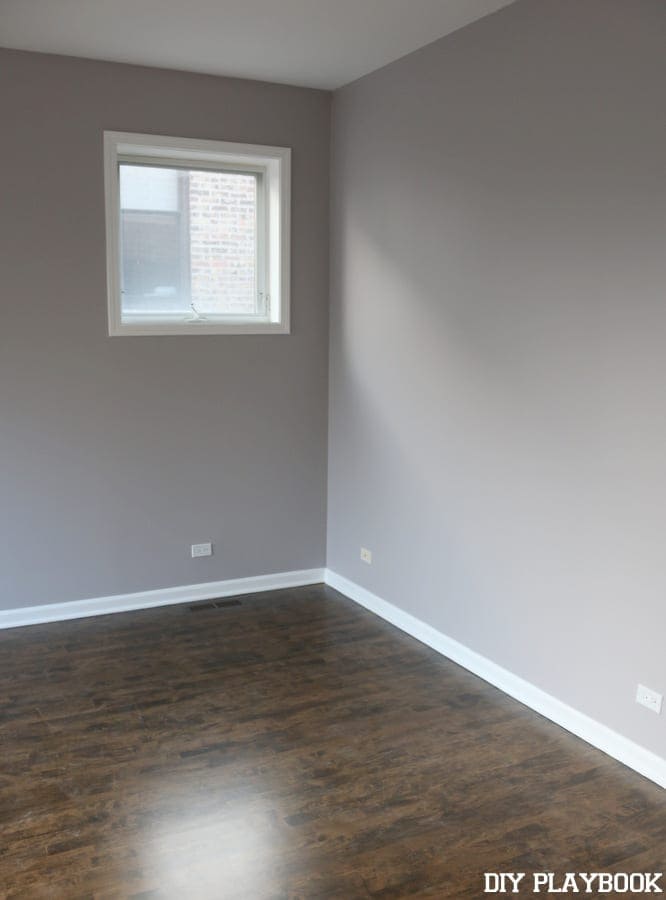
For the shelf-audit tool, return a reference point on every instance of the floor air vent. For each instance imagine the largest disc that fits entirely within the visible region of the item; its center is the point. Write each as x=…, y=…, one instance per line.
x=215, y=604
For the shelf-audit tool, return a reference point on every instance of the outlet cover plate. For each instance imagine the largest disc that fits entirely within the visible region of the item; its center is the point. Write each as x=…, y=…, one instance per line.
x=649, y=699
x=201, y=550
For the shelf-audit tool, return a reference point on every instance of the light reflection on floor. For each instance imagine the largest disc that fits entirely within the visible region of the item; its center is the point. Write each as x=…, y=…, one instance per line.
x=232, y=850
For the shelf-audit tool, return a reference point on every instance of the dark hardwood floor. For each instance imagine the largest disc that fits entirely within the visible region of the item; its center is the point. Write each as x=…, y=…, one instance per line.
x=293, y=746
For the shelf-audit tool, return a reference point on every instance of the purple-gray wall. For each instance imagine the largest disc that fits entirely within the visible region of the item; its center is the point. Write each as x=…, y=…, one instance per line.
x=118, y=453
x=498, y=347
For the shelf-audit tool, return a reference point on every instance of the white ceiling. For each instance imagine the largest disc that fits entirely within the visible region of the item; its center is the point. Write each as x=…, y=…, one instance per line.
x=318, y=43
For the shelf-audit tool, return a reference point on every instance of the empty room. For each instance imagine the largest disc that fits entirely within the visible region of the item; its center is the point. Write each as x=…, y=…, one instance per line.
x=332, y=449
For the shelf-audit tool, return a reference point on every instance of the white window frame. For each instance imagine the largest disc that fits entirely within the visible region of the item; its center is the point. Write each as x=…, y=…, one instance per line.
x=271, y=164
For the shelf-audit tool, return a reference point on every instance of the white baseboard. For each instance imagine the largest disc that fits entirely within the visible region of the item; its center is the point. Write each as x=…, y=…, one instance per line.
x=190, y=593
x=621, y=748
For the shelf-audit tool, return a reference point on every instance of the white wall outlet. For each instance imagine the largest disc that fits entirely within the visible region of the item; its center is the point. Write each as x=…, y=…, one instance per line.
x=366, y=556
x=648, y=698
x=201, y=550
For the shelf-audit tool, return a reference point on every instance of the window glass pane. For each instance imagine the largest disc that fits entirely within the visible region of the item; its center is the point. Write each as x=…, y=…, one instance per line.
x=223, y=242
x=189, y=241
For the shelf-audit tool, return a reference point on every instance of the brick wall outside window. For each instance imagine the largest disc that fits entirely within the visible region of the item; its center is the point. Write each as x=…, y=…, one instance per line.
x=222, y=209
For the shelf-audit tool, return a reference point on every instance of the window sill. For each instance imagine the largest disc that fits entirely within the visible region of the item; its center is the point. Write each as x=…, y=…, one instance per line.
x=135, y=329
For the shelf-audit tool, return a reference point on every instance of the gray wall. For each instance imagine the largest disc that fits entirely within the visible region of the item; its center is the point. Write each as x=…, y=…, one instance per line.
x=498, y=380
x=118, y=453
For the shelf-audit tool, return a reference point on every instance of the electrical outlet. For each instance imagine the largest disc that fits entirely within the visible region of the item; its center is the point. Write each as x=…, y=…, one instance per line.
x=366, y=556
x=649, y=699
x=201, y=550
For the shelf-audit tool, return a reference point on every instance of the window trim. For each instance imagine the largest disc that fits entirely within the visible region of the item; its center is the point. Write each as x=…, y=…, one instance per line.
x=272, y=163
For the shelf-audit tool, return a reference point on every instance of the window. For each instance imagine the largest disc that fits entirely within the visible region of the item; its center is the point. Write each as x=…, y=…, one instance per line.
x=197, y=236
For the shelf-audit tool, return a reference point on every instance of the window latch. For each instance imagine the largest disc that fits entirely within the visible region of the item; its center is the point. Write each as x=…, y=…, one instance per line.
x=196, y=315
